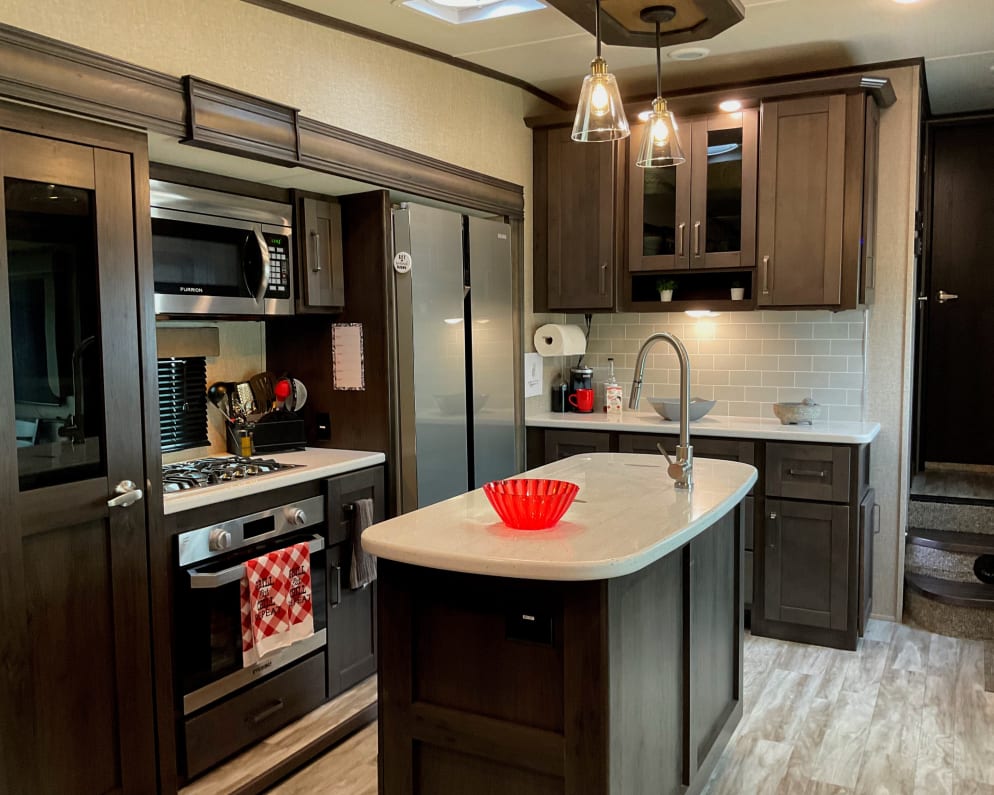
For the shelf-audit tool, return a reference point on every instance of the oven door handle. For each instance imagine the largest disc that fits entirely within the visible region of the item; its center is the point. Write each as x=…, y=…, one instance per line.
x=215, y=579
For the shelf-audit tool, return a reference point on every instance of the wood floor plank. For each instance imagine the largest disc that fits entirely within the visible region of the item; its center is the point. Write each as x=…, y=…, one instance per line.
x=909, y=649
x=758, y=765
x=880, y=630
x=782, y=707
x=973, y=788
x=807, y=746
x=891, y=752
x=864, y=672
x=348, y=769
x=841, y=754
x=974, y=715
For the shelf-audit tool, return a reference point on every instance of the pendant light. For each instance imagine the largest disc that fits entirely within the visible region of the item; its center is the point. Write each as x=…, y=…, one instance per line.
x=600, y=115
x=661, y=141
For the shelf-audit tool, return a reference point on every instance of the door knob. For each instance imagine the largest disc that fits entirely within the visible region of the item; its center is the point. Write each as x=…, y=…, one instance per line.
x=127, y=494
x=944, y=296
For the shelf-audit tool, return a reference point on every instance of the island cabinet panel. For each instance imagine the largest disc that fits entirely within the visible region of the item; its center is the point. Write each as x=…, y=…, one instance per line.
x=627, y=686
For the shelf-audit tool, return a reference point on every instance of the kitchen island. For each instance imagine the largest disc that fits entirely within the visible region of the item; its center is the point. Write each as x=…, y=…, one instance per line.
x=601, y=656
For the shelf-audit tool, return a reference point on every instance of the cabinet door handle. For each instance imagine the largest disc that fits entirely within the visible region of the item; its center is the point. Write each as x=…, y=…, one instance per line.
x=266, y=712
x=806, y=473
x=772, y=544
x=335, y=587
x=316, y=237
x=773, y=516
x=681, y=237
x=697, y=239
x=766, y=275
x=603, y=275
x=876, y=518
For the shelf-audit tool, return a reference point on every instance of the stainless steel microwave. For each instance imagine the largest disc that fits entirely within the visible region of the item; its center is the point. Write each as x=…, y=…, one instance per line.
x=218, y=253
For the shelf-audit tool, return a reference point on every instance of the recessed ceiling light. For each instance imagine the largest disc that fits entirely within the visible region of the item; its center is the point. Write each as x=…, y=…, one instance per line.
x=460, y=11
x=689, y=54
x=730, y=105
x=645, y=114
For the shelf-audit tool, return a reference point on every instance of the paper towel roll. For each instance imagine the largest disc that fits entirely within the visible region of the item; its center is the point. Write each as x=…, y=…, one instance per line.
x=553, y=339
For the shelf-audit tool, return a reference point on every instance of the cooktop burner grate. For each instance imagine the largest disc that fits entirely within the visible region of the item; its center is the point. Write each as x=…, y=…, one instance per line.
x=203, y=472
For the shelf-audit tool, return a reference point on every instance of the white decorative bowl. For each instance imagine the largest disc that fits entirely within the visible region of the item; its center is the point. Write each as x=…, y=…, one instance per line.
x=669, y=408
x=803, y=413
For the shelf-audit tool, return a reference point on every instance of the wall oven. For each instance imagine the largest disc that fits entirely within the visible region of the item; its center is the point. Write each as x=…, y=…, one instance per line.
x=225, y=706
x=220, y=254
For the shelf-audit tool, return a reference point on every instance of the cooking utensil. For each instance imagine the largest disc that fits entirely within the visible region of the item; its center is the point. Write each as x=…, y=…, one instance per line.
x=246, y=397
x=298, y=395
x=217, y=393
x=262, y=388
x=283, y=389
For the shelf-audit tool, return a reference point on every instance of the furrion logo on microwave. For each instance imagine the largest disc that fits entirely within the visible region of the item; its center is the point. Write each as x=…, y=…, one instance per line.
x=198, y=290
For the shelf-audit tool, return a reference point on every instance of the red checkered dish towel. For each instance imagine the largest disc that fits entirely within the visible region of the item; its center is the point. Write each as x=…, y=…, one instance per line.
x=276, y=602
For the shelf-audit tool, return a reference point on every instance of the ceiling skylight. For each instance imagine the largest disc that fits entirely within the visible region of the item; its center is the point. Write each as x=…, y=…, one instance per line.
x=459, y=12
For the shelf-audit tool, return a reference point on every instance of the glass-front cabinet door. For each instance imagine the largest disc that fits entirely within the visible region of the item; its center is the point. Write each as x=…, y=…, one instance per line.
x=701, y=214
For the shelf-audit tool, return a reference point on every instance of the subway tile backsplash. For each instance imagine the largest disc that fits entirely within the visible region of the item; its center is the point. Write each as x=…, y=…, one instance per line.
x=745, y=360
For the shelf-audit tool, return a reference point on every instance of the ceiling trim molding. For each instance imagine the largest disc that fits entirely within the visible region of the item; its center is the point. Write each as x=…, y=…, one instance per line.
x=53, y=74
x=317, y=18
x=705, y=99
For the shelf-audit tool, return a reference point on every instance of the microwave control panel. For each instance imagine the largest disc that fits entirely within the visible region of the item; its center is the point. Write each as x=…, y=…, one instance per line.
x=279, y=266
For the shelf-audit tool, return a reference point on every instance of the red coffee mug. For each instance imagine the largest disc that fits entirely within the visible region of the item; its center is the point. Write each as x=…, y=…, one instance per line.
x=582, y=400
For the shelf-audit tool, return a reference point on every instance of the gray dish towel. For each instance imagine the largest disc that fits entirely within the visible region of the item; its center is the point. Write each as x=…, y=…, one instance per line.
x=363, y=569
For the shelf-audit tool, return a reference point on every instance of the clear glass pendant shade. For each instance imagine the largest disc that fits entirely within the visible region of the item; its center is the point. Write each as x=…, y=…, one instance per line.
x=661, y=140
x=600, y=115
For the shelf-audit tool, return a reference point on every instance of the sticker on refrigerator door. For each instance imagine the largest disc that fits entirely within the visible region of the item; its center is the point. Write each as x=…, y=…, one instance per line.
x=402, y=262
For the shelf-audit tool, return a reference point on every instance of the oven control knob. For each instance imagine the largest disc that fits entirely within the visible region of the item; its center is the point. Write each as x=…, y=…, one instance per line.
x=218, y=540
x=296, y=516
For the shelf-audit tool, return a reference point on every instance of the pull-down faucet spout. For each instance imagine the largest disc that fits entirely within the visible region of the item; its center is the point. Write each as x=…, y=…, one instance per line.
x=681, y=470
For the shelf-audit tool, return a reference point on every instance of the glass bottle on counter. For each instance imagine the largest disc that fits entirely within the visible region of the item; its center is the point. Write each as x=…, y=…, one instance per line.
x=613, y=395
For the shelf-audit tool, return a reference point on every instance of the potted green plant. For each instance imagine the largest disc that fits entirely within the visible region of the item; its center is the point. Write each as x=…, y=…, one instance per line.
x=665, y=287
x=738, y=291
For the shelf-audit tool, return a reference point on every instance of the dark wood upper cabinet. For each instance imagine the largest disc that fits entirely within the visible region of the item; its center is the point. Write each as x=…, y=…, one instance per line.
x=320, y=267
x=579, y=197
x=702, y=213
x=817, y=201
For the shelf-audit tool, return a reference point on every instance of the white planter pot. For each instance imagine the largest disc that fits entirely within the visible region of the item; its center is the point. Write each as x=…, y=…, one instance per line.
x=665, y=295
x=738, y=293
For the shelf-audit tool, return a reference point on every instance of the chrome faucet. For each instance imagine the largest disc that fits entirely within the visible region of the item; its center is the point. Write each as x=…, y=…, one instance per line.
x=681, y=470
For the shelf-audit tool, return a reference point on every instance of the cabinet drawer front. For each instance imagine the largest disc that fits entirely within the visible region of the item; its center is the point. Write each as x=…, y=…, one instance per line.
x=808, y=472
x=256, y=713
x=563, y=444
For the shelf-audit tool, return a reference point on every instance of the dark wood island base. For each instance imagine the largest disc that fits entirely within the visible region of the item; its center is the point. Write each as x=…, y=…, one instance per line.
x=624, y=686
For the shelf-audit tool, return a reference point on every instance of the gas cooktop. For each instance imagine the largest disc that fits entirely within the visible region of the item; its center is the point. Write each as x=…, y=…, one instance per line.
x=203, y=472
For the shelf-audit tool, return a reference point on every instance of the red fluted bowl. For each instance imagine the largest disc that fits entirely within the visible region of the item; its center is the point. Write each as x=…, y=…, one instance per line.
x=530, y=503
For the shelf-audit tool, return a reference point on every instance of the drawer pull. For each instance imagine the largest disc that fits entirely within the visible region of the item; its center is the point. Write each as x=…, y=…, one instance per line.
x=268, y=712
x=806, y=473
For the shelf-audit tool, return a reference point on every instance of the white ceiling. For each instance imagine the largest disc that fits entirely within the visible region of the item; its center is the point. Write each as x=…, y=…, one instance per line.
x=548, y=50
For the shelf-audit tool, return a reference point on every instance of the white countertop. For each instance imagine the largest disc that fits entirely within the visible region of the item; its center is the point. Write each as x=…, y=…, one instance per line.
x=317, y=463
x=736, y=427
x=626, y=515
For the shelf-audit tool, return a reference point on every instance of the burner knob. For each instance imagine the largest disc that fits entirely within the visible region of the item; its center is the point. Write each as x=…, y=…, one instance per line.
x=218, y=540
x=295, y=516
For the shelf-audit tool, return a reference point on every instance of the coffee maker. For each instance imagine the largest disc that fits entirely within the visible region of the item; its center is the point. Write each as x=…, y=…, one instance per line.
x=580, y=377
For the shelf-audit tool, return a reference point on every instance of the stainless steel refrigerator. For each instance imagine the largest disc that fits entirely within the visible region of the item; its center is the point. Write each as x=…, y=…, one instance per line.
x=453, y=386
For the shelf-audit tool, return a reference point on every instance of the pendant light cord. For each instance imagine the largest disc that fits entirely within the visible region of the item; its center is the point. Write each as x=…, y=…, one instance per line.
x=659, y=65
x=597, y=26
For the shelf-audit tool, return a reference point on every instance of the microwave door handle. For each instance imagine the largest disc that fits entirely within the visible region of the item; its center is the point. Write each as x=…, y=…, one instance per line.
x=260, y=294
x=215, y=579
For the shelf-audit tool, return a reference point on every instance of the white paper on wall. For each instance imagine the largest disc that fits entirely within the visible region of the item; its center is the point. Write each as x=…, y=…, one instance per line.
x=348, y=368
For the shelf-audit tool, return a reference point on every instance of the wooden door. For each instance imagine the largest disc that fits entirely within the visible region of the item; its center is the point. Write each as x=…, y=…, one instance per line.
x=74, y=569
x=801, y=201
x=581, y=246
x=960, y=334
x=321, y=279
x=806, y=576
